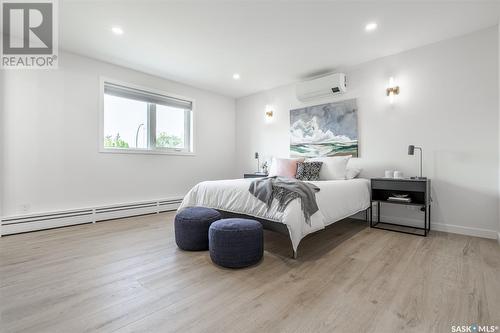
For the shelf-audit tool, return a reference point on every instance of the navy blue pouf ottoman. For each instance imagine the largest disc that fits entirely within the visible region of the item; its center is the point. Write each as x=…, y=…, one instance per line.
x=236, y=243
x=191, y=227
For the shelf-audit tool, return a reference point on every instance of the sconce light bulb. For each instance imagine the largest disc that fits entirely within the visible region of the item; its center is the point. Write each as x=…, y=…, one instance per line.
x=392, y=90
x=269, y=112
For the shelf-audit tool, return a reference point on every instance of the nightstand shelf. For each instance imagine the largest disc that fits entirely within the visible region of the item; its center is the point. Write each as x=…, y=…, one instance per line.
x=418, y=190
x=402, y=203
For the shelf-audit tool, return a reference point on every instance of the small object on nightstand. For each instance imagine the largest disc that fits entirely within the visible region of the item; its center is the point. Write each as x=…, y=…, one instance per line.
x=398, y=174
x=410, y=192
x=265, y=168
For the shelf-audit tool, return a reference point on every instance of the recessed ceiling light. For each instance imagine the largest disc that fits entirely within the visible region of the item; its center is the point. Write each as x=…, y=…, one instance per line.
x=117, y=30
x=236, y=76
x=371, y=26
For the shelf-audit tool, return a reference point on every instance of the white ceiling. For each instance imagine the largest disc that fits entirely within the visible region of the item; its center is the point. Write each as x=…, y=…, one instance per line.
x=269, y=43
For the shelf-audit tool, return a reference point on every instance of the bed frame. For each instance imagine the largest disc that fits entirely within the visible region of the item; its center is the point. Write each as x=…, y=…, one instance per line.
x=278, y=227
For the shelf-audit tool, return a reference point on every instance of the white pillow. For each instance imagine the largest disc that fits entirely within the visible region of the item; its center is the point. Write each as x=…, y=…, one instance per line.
x=333, y=168
x=352, y=173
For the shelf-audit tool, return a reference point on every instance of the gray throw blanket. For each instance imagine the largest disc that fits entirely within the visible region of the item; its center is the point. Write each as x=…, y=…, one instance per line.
x=285, y=190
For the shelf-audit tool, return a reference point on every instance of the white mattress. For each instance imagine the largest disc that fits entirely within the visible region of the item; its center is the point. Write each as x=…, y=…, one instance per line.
x=337, y=199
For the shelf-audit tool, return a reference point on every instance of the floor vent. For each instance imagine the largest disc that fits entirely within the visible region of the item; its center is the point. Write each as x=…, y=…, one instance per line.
x=33, y=222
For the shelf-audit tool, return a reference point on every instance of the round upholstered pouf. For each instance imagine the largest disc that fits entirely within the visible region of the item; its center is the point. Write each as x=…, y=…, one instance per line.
x=191, y=227
x=236, y=243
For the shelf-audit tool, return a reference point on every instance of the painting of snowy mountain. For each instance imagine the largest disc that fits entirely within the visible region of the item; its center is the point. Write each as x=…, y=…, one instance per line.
x=324, y=130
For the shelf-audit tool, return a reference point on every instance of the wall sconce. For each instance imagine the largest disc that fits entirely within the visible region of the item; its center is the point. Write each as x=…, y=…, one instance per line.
x=269, y=112
x=392, y=90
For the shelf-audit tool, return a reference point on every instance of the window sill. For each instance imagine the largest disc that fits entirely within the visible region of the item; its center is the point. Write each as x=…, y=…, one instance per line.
x=145, y=151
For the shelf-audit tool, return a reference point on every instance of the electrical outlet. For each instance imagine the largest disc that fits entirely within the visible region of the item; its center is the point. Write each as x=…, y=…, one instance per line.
x=24, y=208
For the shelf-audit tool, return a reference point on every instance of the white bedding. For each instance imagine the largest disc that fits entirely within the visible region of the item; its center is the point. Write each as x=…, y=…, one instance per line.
x=337, y=199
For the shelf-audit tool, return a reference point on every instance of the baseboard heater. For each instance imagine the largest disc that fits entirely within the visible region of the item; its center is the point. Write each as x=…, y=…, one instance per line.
x=33, y=222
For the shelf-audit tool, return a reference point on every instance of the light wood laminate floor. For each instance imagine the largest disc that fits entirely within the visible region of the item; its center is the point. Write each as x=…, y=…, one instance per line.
x=128, y=275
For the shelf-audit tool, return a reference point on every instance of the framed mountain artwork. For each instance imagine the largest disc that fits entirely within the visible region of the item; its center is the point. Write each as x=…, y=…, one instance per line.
x=324, y=130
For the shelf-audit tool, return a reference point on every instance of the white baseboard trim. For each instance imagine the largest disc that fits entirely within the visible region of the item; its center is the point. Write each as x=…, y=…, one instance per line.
x=457, y=229
x=439, y=226
x=48, y=220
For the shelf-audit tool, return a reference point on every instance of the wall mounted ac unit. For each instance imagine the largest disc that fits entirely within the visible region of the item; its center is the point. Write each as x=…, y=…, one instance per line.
x=330, y=85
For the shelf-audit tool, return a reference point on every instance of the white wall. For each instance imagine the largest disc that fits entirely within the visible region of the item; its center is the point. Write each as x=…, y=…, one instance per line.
x=448, y=105
x=51, y=159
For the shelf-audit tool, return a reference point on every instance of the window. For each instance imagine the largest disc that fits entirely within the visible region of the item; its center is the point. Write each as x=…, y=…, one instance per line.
x=137, y=120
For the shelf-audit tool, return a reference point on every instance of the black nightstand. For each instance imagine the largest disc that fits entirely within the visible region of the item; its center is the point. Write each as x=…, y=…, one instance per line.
x=419, y=192
x=254, y=175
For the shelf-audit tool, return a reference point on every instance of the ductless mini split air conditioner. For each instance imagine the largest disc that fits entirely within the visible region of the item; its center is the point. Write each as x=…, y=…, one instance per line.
x=330, y=85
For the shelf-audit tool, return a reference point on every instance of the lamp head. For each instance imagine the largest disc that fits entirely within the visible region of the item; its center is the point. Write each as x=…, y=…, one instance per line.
x=411, y=149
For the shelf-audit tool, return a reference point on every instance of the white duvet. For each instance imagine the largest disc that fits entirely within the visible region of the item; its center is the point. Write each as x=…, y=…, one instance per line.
x=337, y=199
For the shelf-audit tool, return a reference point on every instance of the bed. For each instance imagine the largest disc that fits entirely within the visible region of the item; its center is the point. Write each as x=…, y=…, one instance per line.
x=337, y=199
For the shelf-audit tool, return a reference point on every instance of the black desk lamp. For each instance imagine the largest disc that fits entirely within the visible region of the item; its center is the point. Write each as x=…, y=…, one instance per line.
x=411, y=151
x=258, y=162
